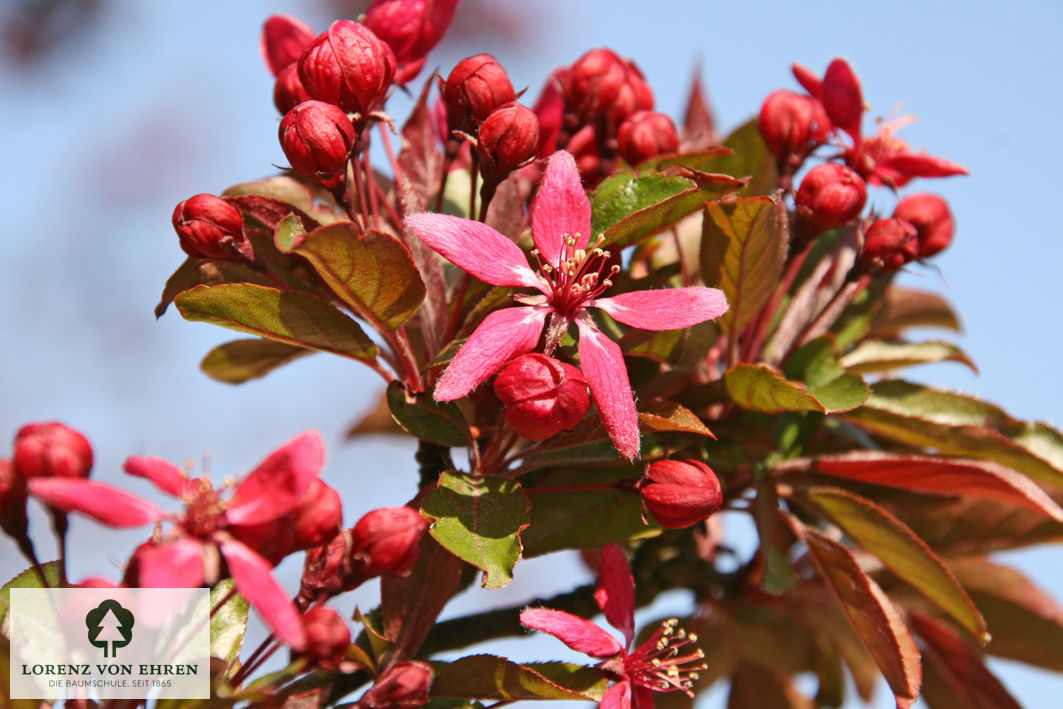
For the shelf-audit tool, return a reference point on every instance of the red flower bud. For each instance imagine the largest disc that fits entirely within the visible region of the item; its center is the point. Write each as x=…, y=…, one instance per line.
x=211, y=228
x=809, y=81
x=792, y=125
x=645, y=135
x=348, y=66
x=889, y=244
x=507, y=140
x=411, y=28
x=315, y=521
x=830, y=195
x=680, y=493
x=317, y=139
x=12, y=501
x=932, y=219
x=603, y=85
x=327, y=637
x=542, y=395
x=386, y=541
x=51, y=450
x=842, y=97
x=476, y=87
x=319, y=516
x=288, y=91
x=404, y=685
x=283, y=40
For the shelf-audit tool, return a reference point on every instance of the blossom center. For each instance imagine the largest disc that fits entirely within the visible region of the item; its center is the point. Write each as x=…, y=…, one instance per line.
x=578, y=275
x=665, y=663
x=205, y=512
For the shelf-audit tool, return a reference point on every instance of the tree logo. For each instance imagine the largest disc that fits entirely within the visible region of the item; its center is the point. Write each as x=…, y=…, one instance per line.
x=109, y=623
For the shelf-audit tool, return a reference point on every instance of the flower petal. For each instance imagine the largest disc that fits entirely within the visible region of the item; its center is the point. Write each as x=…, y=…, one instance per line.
x=615, y=594
x=665, y=309
x=476, y=248
x=578, y=633
x=603, y=367
x=278, y=484
x=104, y=503
x=561, y=208
x=641, y=698
x=502, y=335
x=177, y=564
x=254, y=580
x=164, y=475
x=617, y=697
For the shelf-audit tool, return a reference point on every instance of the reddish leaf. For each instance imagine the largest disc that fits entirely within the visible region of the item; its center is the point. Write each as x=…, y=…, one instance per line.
x=490, y=677
x=197, y=272
x=906, y=307
x=241, y=360
x=873, y=616
x=903, y=553
x=670, y=416
x=954, y=476
x=954, y=665
x=883, y=355
x=699, y=126
x=1025, y=622
x=410, y=604
x=743, y=248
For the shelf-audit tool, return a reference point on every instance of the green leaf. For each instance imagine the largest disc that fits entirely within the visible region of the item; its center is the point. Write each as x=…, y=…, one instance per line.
x=28, y=579
x=743, y=249
x=683, y=349
x=883, y=356
x=490, y=677
x=241, y=360
x=228, y=623
x=757, y=387
x=419, y=415
x=293, y=318
x=479, y=519
x=670, y=416
x=872, y=615
x=197, y=272
x=903, y=553
x=815, y=364
x=750, y=158
x=372, y=272
x=906, y=307
x=1026, y=622
x=954, y=424
x=562, y=518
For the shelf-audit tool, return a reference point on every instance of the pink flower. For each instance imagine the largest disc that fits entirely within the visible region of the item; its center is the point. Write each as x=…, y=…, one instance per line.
x=188, y=556
x=569, y=277
x=658, y=665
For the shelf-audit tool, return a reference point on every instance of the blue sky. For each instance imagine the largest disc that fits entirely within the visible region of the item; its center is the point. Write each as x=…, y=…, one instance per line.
x=163, y=100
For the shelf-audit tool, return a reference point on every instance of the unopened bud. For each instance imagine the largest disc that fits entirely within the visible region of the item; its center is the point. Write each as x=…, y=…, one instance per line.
x=679, y=493
x=317, y=139
x=602, y=85
x=327, y=571
x=411, y=28
x=476, y=87
x=932, y=219
x=842, y=97
x=51, y=450
x=283, y=40
x=830, y=195
x=542, y=395
x=327, y=637
x=889, y=244
x=319, y=516
x=507, y=140
x=348, y=66
x=12, y=502
x=645, y=135
x=404, y=685
x=288, y=90
x=792, y=125
x=211, y=228
x=386, y=541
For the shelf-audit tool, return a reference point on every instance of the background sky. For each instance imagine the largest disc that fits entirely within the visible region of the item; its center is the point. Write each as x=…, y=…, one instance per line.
x=138, y=105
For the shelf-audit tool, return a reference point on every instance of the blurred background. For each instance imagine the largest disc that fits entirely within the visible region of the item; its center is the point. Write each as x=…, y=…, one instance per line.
x=115, y=110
